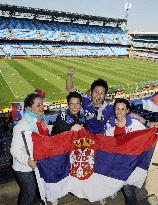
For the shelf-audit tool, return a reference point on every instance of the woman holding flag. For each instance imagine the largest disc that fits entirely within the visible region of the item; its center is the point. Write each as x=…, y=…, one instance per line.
x=123, y=123
x=23, y=163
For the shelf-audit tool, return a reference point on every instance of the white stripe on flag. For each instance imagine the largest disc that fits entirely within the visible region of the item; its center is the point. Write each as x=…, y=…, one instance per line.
x=96, y=188
x=137, y=177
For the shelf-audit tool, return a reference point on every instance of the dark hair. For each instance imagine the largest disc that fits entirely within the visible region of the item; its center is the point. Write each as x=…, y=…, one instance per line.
x=28, y=102
x=122, y=100
x=73, y=95
x=100, y=82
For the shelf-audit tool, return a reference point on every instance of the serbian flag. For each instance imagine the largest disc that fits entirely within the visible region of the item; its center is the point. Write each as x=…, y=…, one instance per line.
x=151, y=103
x=91, y=166
x=17, y=110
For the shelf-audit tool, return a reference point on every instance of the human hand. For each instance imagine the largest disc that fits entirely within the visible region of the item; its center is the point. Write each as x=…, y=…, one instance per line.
x=70, y=71
x=32, y=163
x=76, y=127
x=152, y=124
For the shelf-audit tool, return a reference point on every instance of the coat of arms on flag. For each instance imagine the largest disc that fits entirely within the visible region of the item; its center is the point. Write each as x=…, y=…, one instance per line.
x=82, y=158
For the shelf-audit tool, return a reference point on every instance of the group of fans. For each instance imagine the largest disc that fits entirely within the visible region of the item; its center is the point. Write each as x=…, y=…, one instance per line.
x=92, y=112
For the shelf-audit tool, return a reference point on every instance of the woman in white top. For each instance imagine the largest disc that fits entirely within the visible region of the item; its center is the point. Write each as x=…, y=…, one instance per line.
x=23, y=165
x=120, y=124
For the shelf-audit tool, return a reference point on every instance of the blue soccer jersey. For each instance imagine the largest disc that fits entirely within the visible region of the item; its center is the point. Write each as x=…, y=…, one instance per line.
x=96, y=118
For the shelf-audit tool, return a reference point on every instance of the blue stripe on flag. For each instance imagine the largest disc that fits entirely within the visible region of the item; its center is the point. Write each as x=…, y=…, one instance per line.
x=120, y=166
x=54, y=169
x=145, y=159
x=117, y=166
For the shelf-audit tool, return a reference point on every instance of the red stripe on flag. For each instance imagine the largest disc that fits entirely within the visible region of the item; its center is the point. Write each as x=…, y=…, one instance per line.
x=45, y=146
x=133, y=143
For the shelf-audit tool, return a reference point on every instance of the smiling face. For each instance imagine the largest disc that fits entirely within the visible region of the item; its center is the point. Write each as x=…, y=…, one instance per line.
x=121, y=111
x=98, y=96
x=74, y=105
x=37, y=106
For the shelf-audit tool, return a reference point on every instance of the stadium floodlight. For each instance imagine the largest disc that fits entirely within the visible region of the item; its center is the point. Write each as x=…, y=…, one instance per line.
x=128, y=6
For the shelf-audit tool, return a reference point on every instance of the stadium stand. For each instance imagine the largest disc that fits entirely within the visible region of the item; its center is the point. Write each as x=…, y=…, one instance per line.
x=38, y=32
x=144, y=45
x=6, y=171
x=26, y=32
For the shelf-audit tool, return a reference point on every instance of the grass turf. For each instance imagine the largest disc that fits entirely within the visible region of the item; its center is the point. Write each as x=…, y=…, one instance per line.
x=18, y=77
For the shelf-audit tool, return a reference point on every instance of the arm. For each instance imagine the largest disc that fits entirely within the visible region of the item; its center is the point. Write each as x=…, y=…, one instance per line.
x=141, y=119
x=145, y=122
x=18, y=149
x=136, y=125
x=69, y=81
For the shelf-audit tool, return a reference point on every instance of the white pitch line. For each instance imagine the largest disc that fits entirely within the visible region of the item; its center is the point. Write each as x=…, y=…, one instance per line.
x=8, y=84
x=58, y=78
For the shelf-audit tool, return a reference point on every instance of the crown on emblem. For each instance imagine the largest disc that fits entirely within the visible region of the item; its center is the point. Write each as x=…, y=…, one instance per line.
x=83, y=142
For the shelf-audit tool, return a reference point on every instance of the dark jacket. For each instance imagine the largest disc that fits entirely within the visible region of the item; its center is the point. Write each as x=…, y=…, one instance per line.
x=65, y=120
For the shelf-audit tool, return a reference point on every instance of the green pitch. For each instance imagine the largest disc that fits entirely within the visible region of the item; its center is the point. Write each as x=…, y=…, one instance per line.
x=21, y=76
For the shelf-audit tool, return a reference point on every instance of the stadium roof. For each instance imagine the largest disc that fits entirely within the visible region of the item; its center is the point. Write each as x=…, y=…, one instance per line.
x=52, y=15
x=144, y=33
